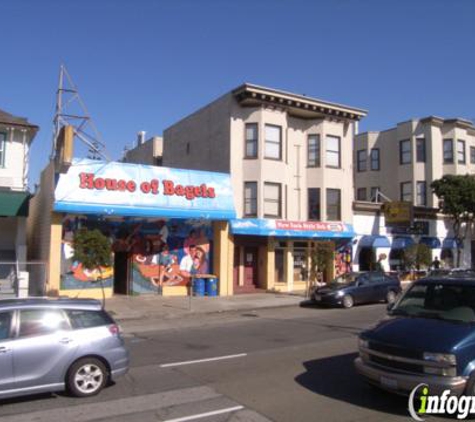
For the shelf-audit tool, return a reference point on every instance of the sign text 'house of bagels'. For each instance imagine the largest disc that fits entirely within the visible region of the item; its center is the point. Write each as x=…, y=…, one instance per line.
x=153, y=186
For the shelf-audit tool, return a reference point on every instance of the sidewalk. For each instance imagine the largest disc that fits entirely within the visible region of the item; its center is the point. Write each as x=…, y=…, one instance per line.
x=139, y=313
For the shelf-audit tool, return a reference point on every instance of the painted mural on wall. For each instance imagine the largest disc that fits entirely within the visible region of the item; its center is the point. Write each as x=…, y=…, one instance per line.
x=161, y=252
x=343, y=258
x=169, y=253
x=73, y=274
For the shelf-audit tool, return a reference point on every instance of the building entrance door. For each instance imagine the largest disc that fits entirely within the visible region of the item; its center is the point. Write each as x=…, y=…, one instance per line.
x=250, y=267
x=121, y=273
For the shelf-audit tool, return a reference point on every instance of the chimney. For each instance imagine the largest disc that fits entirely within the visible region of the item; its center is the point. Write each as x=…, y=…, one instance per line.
x=140, y=137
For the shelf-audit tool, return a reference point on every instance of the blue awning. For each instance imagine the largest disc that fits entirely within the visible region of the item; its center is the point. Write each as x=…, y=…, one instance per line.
x=431, y=242
x=402, y=242
x=285, y=228
x=375, y=241
x=451, y=243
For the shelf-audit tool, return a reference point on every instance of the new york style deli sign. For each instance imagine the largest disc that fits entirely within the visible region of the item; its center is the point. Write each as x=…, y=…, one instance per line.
x=151, y=187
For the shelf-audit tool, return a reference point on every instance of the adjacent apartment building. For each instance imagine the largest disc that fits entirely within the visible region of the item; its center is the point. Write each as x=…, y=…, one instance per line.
x=16, y=136
x=399, y=164
x=291, y=163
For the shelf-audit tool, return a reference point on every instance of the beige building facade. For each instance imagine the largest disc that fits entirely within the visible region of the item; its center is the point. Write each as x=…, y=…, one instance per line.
x=291, y=164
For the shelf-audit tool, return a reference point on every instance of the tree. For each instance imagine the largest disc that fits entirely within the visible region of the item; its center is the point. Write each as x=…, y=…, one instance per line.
x=457, y=200
x=93, y=250
x=417, y=256
x=320, y=258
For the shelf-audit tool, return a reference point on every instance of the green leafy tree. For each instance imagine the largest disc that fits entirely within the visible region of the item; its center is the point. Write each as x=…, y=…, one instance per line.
x=456, y=195
x=417, y=256
x=93, y=250
x=321, y=257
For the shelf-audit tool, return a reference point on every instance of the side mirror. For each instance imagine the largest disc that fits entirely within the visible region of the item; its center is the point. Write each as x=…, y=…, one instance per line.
x=390, y=307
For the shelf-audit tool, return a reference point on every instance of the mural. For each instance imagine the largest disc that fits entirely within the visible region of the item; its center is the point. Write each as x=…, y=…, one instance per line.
x=161, y=252
x=343, y=258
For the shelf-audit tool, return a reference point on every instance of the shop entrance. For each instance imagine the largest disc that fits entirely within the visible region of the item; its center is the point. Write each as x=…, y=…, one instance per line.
x=121, y=273
x=250, y=268
x=365, y=259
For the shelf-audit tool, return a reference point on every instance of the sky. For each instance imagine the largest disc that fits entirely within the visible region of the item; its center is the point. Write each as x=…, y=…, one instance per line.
x=145, y=64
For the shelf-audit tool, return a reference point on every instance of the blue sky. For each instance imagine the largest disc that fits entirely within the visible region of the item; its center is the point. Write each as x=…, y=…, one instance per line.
x=144, y=64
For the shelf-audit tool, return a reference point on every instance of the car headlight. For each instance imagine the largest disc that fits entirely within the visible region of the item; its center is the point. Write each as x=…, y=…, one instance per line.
x=362, y=343
x=448, y=371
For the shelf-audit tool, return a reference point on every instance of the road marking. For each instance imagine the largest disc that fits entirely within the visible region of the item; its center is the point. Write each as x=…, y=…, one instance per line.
x=191, y=362
x=204, y=415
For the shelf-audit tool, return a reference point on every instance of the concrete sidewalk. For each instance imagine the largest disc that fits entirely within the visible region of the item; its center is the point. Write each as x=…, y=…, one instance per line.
x=137, y=313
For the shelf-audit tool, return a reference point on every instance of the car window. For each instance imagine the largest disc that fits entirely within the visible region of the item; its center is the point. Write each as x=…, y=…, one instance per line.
x=376, y=278
x=35, y=322
x=88, y=319
x=5, y=325
x=363, y=280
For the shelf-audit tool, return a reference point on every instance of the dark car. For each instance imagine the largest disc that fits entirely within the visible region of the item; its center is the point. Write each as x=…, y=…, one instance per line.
x=428, y=337
x=49, y=345
x=356, y=288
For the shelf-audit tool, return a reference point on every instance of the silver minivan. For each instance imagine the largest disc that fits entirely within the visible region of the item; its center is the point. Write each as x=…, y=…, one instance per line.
x=49, y=345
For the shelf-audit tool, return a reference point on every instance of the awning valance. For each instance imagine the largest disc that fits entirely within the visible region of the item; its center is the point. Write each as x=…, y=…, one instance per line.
x=285, y=228
x=14, y=204
x=374, y=241
x=125, y=189
x=402, y=242
x=451, y=243
x=431, y=242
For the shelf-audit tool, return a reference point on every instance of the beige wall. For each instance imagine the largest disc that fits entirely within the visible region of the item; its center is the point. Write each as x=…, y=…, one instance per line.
x=146, y=153
x=392, y=174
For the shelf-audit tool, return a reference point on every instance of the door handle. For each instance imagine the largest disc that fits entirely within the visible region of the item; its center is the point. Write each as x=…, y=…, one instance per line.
x=66, y=340
x=4, y=349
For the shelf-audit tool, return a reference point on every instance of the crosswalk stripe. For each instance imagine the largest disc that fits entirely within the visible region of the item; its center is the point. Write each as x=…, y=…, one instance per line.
x=204, y=415
x=191, y=362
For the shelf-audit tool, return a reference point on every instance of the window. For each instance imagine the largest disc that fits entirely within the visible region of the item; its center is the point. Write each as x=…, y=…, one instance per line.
x=272, y=200
x=472, y=155
x=374, y=157
x=406, y=191
x=421, y=150
x=448, y=151
x=88, y=319
x=405, y=152
x=361, y=194
x=3, y=141
x=421, y=197
x=461, y=151
x=333, y=204
x=273, y=147
x=250, y=199
x=5, y=324
x=35, y=322
x=314, y=204
x=333, y=151
x=361, y=160
x=313, y=152
x=251, y=140
x=374, y=194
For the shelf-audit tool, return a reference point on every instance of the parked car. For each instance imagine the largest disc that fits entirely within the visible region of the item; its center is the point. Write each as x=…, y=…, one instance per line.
x=49, y=345
x=428, y=337
x=355, y=288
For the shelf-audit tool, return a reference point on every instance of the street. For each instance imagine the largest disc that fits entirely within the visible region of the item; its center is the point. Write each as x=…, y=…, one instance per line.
x=282, y=364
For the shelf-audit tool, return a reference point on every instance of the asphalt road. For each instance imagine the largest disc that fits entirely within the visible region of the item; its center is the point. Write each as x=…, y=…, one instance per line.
x=284, y=364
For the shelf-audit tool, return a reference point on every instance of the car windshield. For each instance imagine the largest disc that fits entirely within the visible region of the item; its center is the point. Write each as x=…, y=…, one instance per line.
x=449, y=302
x=346, y=278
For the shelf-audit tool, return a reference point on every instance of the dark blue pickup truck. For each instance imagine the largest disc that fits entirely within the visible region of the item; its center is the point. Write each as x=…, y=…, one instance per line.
x=428, y=337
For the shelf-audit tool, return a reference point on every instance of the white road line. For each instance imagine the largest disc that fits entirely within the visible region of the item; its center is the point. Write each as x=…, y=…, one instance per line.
x=191, y=362
x=204, y=415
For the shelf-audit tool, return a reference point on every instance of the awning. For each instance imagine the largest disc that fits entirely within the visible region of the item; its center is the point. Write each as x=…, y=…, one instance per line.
x=451, y=243
x=285, y=228
x=133, y=190
x=402, y=242
x=431, y=242
x=14, y=204
x=375, y=241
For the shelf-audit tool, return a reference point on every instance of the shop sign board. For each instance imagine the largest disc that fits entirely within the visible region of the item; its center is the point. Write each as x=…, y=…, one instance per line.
x=398, y=213
x=125, y=189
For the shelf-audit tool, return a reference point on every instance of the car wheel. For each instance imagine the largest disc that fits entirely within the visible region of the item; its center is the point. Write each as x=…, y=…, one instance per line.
x=390, y=297
x=86, y=377
x=347, y=301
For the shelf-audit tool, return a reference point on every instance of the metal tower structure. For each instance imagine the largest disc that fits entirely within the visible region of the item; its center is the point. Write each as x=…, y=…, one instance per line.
x=71, y=110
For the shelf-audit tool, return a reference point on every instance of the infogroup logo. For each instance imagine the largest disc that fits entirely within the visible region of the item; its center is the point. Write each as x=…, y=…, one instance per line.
x=421, y=404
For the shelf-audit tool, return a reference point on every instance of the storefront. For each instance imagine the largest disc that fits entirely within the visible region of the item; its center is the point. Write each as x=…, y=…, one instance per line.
x=165, y=226
x=277, y=254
